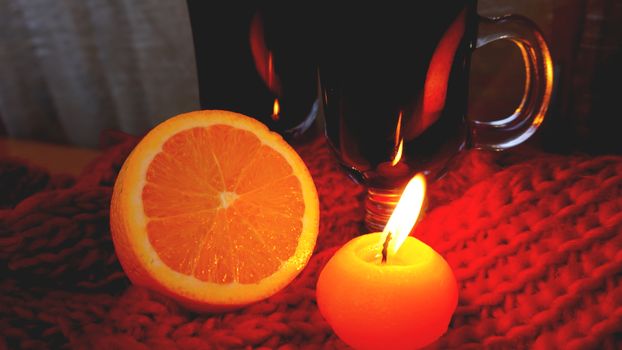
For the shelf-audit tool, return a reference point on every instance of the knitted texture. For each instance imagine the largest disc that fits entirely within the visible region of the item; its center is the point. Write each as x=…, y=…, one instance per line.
x=535, y=247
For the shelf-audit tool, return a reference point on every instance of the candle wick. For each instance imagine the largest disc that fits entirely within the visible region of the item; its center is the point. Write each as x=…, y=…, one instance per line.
x=385, y=248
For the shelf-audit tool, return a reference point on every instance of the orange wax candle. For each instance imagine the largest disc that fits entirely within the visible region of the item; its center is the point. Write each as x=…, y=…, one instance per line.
x=405, y=302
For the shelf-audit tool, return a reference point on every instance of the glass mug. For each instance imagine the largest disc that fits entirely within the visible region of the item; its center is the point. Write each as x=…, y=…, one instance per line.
x=394, y=85
x=257, y=59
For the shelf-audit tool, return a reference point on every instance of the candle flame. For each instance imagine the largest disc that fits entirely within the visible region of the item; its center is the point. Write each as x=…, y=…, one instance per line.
x=406, y=213
x=276, y=108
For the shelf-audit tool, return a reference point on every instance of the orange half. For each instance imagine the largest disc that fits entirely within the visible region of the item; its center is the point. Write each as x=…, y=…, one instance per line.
x=215, y=210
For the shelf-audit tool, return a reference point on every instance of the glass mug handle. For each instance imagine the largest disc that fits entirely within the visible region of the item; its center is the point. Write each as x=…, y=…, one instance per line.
x=512, y=130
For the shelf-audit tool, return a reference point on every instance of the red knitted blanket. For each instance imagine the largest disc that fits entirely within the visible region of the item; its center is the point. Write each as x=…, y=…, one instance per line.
x=535, y=244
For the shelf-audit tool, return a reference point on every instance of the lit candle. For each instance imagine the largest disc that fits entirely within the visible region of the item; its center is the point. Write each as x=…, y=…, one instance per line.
x=387, y=290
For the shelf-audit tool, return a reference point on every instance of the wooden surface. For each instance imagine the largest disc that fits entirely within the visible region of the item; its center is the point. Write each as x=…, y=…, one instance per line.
x=55, y=158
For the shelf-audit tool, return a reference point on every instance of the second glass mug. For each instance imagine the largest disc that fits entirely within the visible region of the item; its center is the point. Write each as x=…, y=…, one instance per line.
x=394, y=84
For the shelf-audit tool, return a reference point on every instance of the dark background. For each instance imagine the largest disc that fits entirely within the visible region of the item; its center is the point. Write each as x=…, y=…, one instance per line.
x=586, y=43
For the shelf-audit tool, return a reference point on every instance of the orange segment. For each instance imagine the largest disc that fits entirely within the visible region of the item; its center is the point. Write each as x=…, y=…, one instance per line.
x=161, y=201
x=178, y=240
x=256, y=175
x=215, y=210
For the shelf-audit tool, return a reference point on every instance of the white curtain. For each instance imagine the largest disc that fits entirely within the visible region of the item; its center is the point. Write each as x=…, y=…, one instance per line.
x=71, y=68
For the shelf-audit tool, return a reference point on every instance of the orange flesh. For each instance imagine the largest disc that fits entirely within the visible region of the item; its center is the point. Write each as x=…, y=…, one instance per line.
x=221, y=206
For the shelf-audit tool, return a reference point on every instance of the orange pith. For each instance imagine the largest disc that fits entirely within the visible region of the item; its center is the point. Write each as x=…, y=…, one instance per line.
x=211, y=199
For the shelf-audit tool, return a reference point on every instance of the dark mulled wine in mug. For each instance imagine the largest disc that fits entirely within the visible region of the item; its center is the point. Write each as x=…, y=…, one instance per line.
x=394, y=83
x=257, y=58
x=397, y=79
